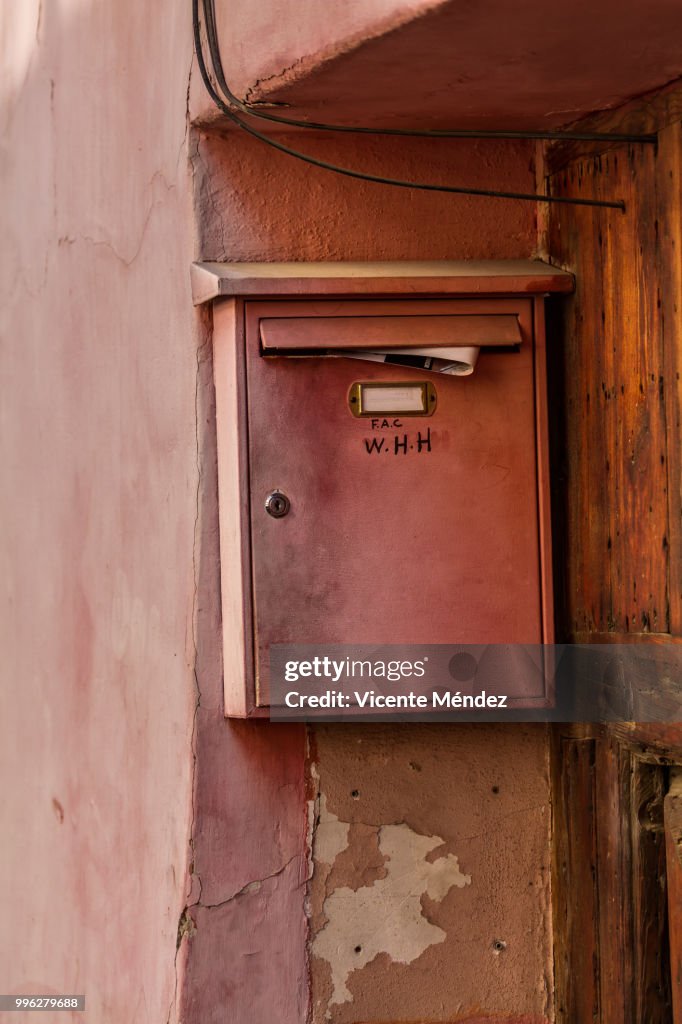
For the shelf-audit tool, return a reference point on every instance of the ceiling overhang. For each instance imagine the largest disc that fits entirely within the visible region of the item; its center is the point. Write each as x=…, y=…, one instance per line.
x=480, y=63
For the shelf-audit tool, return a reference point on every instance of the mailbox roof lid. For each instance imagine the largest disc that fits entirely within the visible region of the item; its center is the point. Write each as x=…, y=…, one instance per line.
x=461, y=277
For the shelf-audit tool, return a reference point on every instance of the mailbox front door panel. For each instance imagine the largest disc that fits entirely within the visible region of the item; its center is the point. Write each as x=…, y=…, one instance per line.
x=420, y=529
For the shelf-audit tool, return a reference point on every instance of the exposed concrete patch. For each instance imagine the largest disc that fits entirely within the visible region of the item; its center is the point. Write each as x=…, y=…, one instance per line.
x=362, y=863
x=483, y=791
x=387, y=915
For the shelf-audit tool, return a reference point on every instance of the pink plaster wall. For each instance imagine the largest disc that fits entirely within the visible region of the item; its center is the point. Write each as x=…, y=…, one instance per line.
x=445, y=63
x=490, y=64
x=99, y=499
x=272, y=39
x=112, y=729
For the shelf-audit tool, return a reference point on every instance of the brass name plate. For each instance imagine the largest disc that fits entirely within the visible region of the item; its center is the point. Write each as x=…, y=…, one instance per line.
x=392, y=398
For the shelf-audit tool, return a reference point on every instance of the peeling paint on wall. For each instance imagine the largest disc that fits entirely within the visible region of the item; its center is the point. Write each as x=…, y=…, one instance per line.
x=387, y=915
x=331, y=834
x=428, y=891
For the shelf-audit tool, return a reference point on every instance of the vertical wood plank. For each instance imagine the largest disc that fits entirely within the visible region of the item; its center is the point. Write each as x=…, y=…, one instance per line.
x=650, y=918
x=572, y=234
x=575, y=902
x=609, y=897
x=622, y=399
x=614, y=874
x=669, y=225
x=672, y=812
x=634, y=406
x=617, y=502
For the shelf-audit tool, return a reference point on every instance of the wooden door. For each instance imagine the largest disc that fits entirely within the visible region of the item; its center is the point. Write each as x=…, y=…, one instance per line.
x=616, y=383
x=617, y=874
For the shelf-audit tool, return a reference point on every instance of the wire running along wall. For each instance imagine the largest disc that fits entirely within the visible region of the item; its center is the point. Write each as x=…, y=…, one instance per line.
x=229, y=104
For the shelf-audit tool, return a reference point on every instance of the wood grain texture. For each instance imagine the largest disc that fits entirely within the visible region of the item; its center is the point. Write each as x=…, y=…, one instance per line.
x=649, y=670
x=575, y=897
x=651, y=741
x=669, y=275
x=645, y=789
x=609, y=901
x=616, y=398
x=618, y=444
x=672, y=811
x=613, y=884
x=651, y=112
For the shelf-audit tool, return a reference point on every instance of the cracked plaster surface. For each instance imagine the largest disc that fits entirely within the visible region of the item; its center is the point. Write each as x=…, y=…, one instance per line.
x=386, y=916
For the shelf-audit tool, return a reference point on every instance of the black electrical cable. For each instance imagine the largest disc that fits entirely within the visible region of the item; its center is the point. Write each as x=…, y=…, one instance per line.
x=445, y=133
x=617, y=204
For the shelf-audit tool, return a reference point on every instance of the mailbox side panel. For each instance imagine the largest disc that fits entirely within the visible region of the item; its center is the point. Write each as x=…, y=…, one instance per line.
x=544, y=489
x=233, y=496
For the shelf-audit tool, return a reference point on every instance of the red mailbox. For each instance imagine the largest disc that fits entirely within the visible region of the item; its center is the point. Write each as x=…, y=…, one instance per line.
x=382, y=457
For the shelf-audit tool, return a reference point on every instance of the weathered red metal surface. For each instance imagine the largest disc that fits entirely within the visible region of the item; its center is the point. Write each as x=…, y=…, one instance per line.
x=399, y=278
x=419, y=531
x=396, y=331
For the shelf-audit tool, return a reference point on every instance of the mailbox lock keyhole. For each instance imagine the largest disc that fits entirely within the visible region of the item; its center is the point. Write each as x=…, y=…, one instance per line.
x=277, y=504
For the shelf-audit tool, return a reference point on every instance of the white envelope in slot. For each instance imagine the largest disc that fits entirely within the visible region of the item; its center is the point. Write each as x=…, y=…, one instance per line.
x=458, y=362
x=436, y=343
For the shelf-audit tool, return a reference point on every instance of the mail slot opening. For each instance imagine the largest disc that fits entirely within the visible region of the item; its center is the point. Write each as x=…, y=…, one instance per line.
x=435, y=343
x=463, y=331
